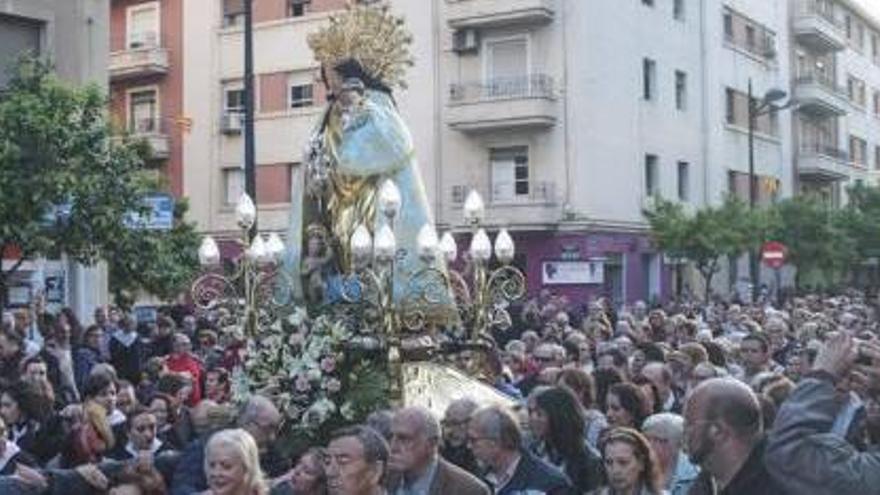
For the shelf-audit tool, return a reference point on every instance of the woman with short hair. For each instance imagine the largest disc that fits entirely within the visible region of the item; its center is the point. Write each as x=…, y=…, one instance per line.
x=232, y=464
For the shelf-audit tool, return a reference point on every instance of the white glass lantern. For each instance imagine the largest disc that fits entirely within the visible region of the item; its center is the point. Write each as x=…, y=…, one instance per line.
x=481, y=247
x=385, y=245
x=389, y=199
x=474, y=209
x=275, y=246
x=504, y=248
x=209, y=254
x=361, y=243
x=427, y=243
x=448, y=247
x=245, y=211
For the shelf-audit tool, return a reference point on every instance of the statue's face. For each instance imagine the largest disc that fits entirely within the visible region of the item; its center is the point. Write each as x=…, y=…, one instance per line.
x=332, y=79
x=315, y=245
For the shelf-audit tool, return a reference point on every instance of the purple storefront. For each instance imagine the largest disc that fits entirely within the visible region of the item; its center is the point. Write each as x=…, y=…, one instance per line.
x=586, y=265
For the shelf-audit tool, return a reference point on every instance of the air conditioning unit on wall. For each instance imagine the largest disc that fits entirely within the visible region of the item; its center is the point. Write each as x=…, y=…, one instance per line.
x=466, y=41
x=232, y=122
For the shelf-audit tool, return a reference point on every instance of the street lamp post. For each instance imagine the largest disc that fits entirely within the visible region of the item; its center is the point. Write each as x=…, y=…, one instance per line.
x=250, y=180
x=756, y=109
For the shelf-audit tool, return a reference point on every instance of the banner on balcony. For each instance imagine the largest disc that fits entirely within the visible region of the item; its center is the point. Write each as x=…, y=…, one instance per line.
x=587, y=272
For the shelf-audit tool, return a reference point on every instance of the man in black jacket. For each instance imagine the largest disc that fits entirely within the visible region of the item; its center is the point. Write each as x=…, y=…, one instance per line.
x=724, y=435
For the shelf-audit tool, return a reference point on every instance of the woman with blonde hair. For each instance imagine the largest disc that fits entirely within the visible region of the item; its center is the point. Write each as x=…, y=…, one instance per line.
x=232, y=464
x=630, y=464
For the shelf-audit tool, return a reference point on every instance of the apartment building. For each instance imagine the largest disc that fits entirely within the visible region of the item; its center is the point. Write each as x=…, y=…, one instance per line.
x=146, y=73
x=73, y=34
x=569, y=116
x=836, y=69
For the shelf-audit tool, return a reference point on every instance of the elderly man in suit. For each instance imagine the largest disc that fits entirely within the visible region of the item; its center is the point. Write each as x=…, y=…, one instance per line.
x=496, y=440
x=415, y=463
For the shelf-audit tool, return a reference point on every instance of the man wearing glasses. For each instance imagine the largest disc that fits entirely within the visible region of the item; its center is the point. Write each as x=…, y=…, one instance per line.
x=496, y=441
x=415, y=463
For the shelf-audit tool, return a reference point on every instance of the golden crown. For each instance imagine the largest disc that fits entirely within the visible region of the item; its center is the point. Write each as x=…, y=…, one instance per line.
x=372, y=36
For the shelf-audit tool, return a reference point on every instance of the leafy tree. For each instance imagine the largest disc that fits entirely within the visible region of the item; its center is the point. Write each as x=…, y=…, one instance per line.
x=811, y=230
x=703, y=238
x=68, y=183
x=159, y=263
x=860, y=221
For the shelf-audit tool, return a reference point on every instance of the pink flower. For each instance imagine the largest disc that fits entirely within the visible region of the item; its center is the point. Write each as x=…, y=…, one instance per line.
x=302, y=384
x=334, y=385
x=328, y=364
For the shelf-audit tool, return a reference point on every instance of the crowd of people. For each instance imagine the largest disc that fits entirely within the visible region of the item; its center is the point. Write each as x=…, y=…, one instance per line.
x=702, y=398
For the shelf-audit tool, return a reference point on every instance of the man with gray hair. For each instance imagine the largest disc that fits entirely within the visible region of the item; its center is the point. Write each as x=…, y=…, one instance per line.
x=415, y=464
x=665, y=431
x=356, y=462
x=496, y=440
x=455, y=425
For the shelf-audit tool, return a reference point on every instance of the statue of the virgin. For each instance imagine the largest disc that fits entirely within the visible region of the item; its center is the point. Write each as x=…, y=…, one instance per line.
x=358, y=143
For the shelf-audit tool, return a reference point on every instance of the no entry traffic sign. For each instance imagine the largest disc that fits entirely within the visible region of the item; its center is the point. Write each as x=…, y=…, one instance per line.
x=773, y=254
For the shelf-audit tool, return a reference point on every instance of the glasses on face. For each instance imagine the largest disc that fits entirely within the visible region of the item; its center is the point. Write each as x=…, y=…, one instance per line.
x=455, y=423
x=472, y=439
x=543, y=359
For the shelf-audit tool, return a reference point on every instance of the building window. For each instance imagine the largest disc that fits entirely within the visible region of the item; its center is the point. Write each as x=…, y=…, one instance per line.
x=856, y=91
x=860, y=37
x=730, y=106
x=233, y=100
x=649, y=79
x=143, y=111
x=652, y=183
x=510, y=173
x=301, y=96
x=17, y=36
x=680, y=90
x=750, y=38
x=678, y=10
x=848, y=21
x=684, y=181
x=649, y=3
x=742, y=32
x=875, y=49
x=233, y=185
x=858, y=151
x=877, y=103
x=142, y=30
x=876, y=157
x=508, y=65
x=297, y=8
x=728, y=26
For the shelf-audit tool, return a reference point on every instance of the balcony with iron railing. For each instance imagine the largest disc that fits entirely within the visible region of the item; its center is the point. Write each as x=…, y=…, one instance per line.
x=507, y=102
x=143, y=58
x=537, y=205
x=815, y=26
x=153, y=131
x=824, y=161
x=462, y=14
x=818, y=94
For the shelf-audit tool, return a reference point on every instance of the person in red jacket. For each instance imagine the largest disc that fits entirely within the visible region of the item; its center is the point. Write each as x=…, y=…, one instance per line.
x=182, y=360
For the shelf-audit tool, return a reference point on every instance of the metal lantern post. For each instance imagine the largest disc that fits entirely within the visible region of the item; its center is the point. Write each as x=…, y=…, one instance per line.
x=257, y=285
